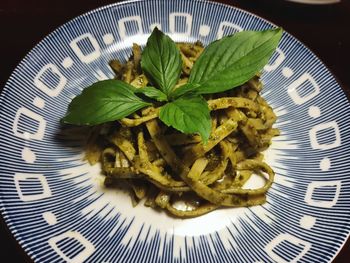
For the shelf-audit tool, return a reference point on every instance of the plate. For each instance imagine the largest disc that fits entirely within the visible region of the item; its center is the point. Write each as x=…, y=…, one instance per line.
x=55, y=204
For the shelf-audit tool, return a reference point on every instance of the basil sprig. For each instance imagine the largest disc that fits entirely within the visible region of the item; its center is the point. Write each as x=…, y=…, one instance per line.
x=188, y=114
x=152, y=93
x=103, y=101
x=161, y=61
x=224, y=64
x=233, y=60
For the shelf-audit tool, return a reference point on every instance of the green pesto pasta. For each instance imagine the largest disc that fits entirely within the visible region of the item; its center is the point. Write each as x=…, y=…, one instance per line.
x=163, y=167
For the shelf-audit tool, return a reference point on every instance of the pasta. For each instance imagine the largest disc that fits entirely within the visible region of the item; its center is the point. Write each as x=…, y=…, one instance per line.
x=170, y=170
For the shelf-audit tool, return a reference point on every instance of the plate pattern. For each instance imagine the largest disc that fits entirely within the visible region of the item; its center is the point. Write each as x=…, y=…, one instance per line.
x=55, y=204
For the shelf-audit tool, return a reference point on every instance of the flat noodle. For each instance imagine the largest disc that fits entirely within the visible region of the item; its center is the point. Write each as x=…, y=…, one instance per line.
x=224, y=103
x=159, y=164
x=213, y=196
x=218, y=135
x=138, y=121
x=253, y=165
x=202, y=210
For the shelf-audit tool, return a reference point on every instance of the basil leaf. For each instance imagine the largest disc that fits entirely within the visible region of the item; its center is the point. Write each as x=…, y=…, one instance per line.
x=152, y=93
x=233, y=60
x=103, y=101
x=161, y=61
x=188, y=114
x=184, y=89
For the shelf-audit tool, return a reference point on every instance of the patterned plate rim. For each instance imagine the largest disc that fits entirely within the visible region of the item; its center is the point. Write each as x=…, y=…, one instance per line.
x=8, y=223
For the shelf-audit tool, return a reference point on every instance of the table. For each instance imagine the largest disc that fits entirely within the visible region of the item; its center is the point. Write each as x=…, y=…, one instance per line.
x=325, y=29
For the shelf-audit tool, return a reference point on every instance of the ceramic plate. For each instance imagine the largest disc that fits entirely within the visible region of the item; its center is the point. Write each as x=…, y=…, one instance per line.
x=55, y=203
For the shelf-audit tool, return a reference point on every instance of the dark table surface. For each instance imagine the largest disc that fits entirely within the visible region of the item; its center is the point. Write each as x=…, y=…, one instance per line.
x=325, y=29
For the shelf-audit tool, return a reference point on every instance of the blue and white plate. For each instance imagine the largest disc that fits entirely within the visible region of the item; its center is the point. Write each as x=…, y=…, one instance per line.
x=55, y=204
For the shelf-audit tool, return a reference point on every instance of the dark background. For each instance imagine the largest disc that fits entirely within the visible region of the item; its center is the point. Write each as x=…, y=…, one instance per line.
x=325, y=29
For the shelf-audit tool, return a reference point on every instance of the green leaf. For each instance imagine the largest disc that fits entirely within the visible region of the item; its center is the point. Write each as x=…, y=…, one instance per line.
x=161, y=61
x=188, y=114
x=184, y=89
x=152, y=93
x=103, y=101
x=233, y=60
